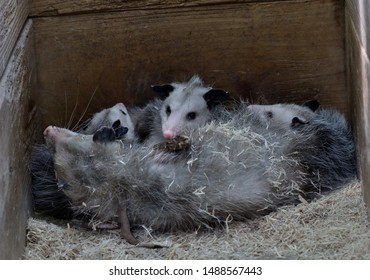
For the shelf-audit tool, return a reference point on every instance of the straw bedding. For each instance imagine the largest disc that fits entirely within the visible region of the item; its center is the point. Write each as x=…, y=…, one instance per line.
x=332, y=227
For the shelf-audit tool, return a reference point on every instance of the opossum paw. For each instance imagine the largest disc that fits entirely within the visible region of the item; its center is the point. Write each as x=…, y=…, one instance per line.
x=110, y=134
x=104, y=135
x=178, y=144
x=119, y=130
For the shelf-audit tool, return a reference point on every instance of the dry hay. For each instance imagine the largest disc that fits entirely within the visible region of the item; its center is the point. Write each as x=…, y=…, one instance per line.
x=333, y=227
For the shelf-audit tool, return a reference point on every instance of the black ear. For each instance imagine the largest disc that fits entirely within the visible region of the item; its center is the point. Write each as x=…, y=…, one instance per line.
x=163, y=90
x=312, y=104
x=297, y=122
x=215, y=97
x=104, y=135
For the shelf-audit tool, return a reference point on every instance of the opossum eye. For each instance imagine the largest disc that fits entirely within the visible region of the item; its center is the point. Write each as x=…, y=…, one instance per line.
x=269, y=114
x=168, y=110
x=123, y=112
x=191, y=116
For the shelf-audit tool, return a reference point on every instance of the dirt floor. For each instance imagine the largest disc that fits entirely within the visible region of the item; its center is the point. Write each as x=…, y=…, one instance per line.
x=333, y=227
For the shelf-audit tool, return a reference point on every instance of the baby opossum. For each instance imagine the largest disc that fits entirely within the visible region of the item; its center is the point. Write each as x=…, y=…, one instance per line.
x=185, y=107
x=229, y=171
x=320, y=139
x=48, y=199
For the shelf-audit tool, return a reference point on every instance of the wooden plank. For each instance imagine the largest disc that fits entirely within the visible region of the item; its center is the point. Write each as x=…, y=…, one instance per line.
x=67, y=7
x=13, y=15
x=280, y=51
x=18, y=128
x=358, y=44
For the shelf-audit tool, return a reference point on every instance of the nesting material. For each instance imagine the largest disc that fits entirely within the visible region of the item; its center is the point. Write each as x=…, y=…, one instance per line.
x=332, y=227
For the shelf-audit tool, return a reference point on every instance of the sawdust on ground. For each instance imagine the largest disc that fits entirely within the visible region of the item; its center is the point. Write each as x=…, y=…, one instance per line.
x=333, y=227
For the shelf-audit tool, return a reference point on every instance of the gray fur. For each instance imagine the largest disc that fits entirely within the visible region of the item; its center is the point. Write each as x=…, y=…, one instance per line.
x=48, y=197
x=321, y=140
x=238, y=168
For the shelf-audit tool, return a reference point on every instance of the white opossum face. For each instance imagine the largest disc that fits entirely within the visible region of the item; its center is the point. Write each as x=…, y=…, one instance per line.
x=285, y=116
x=187, y=106
x=182, y=112
x=108, y=117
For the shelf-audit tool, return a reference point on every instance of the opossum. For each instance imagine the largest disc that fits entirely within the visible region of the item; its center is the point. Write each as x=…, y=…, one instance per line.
x=47, y=195
x=227, y=172
x=185, y=107
x=202, y=190
x=320, y=139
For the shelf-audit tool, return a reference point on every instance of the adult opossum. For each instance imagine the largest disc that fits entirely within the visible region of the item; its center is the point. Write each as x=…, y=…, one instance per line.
x=48, y=199
x=229, y=171
x=185, y=107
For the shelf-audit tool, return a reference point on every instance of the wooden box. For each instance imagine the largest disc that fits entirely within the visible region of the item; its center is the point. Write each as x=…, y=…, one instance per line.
x=60, y=61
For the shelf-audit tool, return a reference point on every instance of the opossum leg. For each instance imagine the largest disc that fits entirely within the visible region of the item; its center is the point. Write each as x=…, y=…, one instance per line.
x=125, y=225
x=178, y=144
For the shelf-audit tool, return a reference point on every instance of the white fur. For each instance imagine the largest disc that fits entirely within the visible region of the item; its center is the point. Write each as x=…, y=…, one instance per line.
x=186, y=98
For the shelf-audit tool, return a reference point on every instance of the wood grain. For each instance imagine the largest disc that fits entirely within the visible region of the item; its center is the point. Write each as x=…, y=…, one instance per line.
x=13, y=15
x=280, y=51
x=18, y=129
x=358, y=66
x=68, y=7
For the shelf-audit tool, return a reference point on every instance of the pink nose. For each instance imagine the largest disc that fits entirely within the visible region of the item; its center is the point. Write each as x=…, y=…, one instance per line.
x=169, y=135
x=49, y=130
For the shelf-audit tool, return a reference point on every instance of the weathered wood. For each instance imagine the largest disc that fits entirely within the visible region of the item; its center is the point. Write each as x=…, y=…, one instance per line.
x=13, y=15
x=67, y=7
x=17, y=126
x=358, y=51
x=281, y=51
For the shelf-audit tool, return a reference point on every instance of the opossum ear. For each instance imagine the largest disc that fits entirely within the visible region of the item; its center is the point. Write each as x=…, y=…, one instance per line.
x=297, y=122
x=104, y=135
x=312, y=104
x=214, y=97
x=163, y=90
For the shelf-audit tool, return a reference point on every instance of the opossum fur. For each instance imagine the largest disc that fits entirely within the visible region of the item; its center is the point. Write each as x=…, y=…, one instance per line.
x=46, y=190
x=320, y=139
x=230, y=172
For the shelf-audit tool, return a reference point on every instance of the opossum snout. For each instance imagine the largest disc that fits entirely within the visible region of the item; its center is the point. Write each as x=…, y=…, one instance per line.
x=51, y=132
x=169, y=135
x=120, y=106
x=54, y=132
